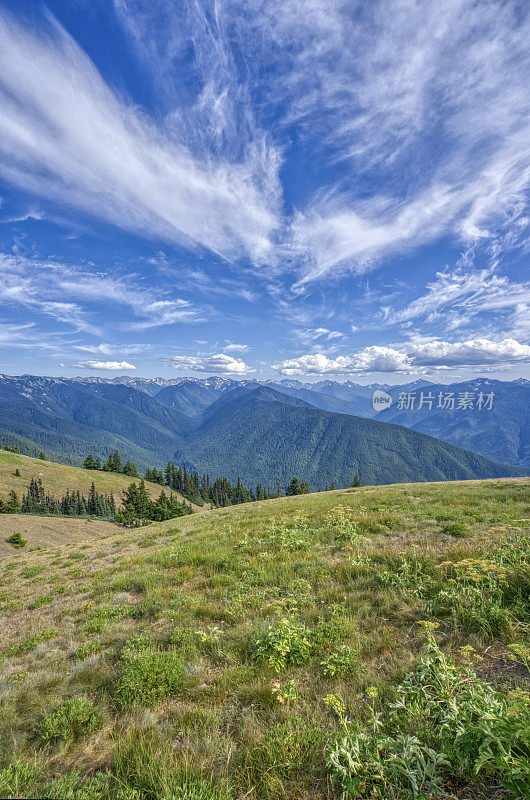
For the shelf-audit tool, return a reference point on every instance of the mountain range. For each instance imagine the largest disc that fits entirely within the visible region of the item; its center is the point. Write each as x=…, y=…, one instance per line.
x=264, y=433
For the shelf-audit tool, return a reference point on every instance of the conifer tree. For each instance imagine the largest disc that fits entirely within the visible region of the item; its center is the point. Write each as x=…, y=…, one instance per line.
x=89, y=462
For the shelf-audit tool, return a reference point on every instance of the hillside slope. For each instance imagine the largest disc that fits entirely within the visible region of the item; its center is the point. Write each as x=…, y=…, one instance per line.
x=225, y=655
x=58, y=477
x=259, y=434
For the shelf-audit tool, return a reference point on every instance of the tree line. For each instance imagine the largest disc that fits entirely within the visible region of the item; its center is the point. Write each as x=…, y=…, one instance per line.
x=137, y=506
x=36, y=500
x=199, y=488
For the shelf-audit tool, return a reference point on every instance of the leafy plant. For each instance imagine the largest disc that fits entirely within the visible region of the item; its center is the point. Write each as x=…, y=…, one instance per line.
x=70, y=721
x=285, y=644
x=285, y=693
x=383, y=767
x=339, y=662
x=16, y=540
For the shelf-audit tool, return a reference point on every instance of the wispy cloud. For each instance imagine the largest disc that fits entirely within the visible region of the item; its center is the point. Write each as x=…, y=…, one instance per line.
x=66, y=292
x=236, y=347
x=66, y=135
x=383, y=88
x=460, y=296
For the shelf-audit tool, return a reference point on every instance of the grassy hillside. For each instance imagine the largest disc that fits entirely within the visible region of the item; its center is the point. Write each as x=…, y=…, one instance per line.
x=58, y=477
x=283, y=649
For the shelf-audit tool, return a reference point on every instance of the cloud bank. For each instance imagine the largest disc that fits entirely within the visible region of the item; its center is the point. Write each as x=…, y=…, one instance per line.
x=410, y=358
x=112, y=366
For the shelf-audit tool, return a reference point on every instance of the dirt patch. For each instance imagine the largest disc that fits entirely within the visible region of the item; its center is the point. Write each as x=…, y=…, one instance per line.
x=48, y=532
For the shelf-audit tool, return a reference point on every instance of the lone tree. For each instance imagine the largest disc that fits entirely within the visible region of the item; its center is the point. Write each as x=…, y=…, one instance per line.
x=90, y=462
x=42, y=456
x=356, y=481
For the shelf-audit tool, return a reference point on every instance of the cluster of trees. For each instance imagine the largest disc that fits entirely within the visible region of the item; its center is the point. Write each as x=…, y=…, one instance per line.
x=36, y=500
x=200, y=489
x=138, y=506
x=12, y=505
x=220, y=492
x=297, y=487
x=112, y=464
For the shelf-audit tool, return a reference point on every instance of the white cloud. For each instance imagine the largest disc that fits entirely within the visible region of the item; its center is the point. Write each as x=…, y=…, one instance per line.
x=427, y=99
x=220, y=363
x=371, y=359
x=236, y=347
x=425, y=106
x=65, y=135
x=473, y=352
x=42, y=285
x=460, y=295
x=411, y=358
x=113, y=366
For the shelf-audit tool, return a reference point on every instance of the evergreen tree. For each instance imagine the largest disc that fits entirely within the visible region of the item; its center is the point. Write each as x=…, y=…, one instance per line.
x=293, y=488
x=89, y=462
x=42, y=456
x=130, y=469
x=356, y=481
x=116, y=462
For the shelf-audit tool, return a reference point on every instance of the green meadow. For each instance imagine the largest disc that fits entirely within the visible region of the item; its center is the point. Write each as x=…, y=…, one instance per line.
x=365, y=643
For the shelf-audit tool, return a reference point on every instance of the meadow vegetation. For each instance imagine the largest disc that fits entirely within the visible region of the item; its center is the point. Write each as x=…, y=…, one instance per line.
x=365, y=643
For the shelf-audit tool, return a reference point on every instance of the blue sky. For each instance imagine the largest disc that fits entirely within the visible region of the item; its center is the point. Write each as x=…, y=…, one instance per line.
x=257, y=188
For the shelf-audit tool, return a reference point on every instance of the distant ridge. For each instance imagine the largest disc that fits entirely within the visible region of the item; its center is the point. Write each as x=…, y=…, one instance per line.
x=235, y=428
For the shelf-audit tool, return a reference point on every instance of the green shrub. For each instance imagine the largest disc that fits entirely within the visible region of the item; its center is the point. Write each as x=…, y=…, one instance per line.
x=30, y=642
x=135, y=644
x=16, y=540
x=339, y=662
x=18, y=779
x=457, y=529
x=462, y=728
x=381, y=766
x=149, y=677
x=42, y=600
x=284, y=644
x=31, y=572
x=72, y=720
x=89, y=649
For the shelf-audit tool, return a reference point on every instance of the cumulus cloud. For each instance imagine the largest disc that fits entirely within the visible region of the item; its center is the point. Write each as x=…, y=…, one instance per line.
x=221, y=364
x=112, y=366
x=411, y=358
x=473, y=352
x=371, y=359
